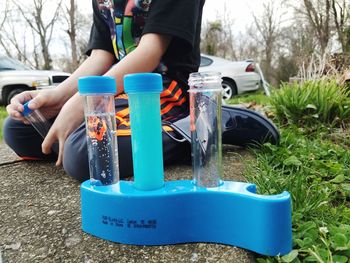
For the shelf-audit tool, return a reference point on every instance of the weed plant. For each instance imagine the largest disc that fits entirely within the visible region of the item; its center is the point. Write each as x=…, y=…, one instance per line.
x=312, y=103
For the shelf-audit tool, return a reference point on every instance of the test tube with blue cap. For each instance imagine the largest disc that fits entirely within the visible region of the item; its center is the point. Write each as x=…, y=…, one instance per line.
x=99, y=111
x=143, y=91
x=39, y=123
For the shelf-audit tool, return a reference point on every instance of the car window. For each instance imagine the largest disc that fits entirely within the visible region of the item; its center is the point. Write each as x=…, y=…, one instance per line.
x=11, y=64
x=205, y=61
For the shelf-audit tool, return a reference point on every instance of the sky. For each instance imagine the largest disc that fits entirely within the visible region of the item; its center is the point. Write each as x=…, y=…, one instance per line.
x=241, y=11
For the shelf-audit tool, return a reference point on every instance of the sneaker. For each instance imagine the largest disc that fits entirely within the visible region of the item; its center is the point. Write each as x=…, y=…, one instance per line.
x=241, y=127
x=244, y=127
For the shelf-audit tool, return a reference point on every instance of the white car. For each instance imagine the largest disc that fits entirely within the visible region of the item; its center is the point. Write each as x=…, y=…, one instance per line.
x=237, y=76
x=16, y=77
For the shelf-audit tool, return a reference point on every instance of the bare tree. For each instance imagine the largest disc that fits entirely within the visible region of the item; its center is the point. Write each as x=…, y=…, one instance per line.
x=3, y=18
x=318, y=12
x=36, y=55
x=17, y=42
x=37, y=23
x=212, y=32
x=217, y=36
x=246, y=47
x=4, y=14
x=75, y=25
x=227, y=43
x=266, y=32
x=296, y=44
x=12, y=43
x=340, y=10
x=295, y=49
x=70, y=17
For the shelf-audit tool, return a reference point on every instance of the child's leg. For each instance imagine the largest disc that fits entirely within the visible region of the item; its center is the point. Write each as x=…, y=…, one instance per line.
x=24, y=140
x=75, y=156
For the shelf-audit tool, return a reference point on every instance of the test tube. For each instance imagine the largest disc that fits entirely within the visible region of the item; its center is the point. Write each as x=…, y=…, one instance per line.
x=205, y=124
x=39, y=123
x=99, y=111
x=143, y=91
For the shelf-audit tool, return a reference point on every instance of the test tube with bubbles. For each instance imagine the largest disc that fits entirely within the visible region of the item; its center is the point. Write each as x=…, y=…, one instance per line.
x=205, y=124
x=99, y=111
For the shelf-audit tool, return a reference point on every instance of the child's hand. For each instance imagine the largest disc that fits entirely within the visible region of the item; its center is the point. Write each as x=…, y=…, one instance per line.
x=48, y=101
x=69, y=119
x=15, y=108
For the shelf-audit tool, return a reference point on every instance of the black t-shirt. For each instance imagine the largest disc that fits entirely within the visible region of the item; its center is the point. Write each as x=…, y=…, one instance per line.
x=118, y=28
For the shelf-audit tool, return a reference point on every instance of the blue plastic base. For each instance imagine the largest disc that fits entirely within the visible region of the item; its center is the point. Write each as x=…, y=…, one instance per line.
x=180, y=212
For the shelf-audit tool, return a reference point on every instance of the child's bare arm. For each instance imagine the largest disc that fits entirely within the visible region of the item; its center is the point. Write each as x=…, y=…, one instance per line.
x=51, y=101
x=145, y=58
x=98, y=63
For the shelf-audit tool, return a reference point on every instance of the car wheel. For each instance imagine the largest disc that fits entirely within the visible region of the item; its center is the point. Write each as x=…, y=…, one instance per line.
x=11, y=94
x=229, y=89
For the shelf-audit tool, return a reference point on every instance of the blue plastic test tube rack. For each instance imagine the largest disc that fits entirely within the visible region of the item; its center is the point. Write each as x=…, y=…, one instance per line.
x=180, y=212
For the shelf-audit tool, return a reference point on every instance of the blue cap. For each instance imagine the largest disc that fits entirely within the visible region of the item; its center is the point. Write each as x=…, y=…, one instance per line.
x=143, y=82
x=97, y=85
x=26, y=110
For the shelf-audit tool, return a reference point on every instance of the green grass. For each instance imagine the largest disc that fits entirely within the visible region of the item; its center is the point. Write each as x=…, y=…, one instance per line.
x=259, y=98
x=317, y=174
x=312, y=162
x=3, y=115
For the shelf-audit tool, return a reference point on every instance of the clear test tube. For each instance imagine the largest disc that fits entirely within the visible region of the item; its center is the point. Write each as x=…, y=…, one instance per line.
x=205, y=124
x=39, y=123
x=99, y=111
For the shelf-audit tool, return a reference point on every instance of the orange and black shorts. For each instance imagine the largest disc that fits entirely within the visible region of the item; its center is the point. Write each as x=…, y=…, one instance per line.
x=173, y=103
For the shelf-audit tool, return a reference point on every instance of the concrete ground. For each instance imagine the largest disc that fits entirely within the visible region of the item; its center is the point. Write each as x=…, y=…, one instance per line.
x=40, y=219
